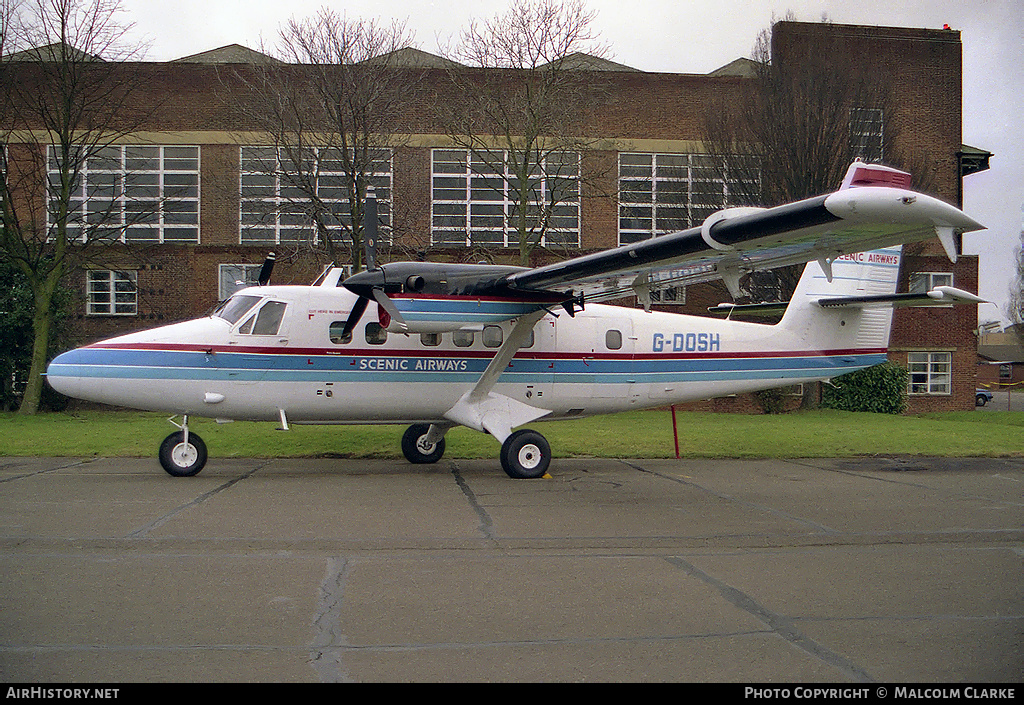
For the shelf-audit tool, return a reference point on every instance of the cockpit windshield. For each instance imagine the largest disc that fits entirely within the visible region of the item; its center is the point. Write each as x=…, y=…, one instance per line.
x=234, y=308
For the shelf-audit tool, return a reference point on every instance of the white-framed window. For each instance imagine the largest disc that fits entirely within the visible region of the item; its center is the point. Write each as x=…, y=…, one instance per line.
x=671, y=295
x=232, y=277
x=867, y=130
x=613, y=339
x=930, y=373
x=473, y=200
x=111, y=293
x=132, y=193
x=923, y=282
x=276, y=193
x=663, y=193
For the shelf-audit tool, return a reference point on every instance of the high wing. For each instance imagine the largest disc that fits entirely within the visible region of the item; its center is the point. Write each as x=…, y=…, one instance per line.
x=874, y=209
x=734, y=243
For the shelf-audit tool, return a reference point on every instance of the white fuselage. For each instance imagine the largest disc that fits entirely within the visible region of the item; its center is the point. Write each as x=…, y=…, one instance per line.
x=605, y=359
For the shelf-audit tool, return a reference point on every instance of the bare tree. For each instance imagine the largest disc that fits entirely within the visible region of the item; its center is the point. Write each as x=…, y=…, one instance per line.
x=517, y=121
x=327, y=105
x=66, y=101
x=793, y=129
x=1015, y=304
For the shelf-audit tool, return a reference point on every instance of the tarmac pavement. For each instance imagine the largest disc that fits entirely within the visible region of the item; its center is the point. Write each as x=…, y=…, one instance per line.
x=1005, y=401
x=855, y=571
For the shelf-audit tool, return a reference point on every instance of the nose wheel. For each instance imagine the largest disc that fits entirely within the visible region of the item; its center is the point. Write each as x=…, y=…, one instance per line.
x=183, y=454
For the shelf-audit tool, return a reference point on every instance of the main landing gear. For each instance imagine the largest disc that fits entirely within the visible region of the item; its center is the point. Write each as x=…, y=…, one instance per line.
x=525, y=454
x=183, y=454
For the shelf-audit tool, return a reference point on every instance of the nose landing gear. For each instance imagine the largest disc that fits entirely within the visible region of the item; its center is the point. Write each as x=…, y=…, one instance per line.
x=183, y=454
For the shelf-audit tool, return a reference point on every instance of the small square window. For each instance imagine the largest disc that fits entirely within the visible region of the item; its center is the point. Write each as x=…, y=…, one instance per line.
x=463, y=338
x=337, y=333
x=111, y=293
x=375, y=334
x=493, y=336
x=931, y=373
x=923, y=282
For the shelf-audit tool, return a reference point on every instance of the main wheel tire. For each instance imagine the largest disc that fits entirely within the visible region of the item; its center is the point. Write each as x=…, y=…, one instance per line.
x=416, y=450
x=525, y=455
x=179, y=459
x=980, y=400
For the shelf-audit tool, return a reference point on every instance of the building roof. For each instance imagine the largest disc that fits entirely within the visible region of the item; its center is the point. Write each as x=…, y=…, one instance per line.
x=579, y=61
x=51, y=52
x=230, y=54
x=972, y=159
x=745, y=68
x=1001, y=347
x=415, y=58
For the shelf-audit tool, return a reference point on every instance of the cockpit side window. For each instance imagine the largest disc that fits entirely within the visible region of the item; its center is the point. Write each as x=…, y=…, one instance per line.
x=266, y=321
x=269, y=319
x=234, y=308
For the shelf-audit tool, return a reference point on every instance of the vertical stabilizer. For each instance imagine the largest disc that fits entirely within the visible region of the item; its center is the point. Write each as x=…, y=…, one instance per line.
x=862, y=274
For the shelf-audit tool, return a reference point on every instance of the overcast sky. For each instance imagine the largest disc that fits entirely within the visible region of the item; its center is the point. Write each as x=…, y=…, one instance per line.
x=688, y=36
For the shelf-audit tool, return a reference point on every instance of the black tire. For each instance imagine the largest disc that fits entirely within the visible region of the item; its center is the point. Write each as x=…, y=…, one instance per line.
x=181, y=461
x=980, y=400
x=417, y=453
x=525, y=455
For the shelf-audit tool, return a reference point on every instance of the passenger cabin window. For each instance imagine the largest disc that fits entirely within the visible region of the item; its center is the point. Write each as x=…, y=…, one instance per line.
x=336, y=333
x=430, y=340
x=613, y=340
x=463, y=338
x=375, y=334
x=493, y=336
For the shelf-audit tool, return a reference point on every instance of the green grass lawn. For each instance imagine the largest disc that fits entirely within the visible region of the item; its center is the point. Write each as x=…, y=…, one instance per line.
x=641, y=434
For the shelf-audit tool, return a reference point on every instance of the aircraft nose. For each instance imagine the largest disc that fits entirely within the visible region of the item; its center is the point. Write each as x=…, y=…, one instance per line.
x=59, y=372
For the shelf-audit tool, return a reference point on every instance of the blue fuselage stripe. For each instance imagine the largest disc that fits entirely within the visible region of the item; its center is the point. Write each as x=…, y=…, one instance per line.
x=388, y=366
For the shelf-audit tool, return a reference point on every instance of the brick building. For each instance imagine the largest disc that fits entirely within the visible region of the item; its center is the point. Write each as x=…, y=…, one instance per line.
x=210, y=234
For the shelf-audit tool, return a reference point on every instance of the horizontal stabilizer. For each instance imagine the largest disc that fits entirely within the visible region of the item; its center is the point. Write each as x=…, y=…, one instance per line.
x=769, y=309
x=939, y=296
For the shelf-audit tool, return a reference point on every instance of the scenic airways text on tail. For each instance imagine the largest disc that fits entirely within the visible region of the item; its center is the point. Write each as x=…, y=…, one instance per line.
x=496, y=347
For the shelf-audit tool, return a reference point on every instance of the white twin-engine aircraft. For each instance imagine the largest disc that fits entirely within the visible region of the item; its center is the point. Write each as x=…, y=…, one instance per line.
x=497, y=347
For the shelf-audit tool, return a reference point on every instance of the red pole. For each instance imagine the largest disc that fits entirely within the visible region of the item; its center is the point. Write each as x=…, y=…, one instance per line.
x=675, y=430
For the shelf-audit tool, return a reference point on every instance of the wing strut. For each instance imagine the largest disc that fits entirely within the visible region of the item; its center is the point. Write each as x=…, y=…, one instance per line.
x=497, y=414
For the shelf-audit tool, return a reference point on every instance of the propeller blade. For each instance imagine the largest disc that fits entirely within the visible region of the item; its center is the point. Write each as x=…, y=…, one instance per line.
x=358, y=308
x=370, y=228
x=389, y=306
x=266, y=270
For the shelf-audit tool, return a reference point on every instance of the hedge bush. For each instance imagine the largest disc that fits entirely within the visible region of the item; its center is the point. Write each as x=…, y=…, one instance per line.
x=881, y=389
